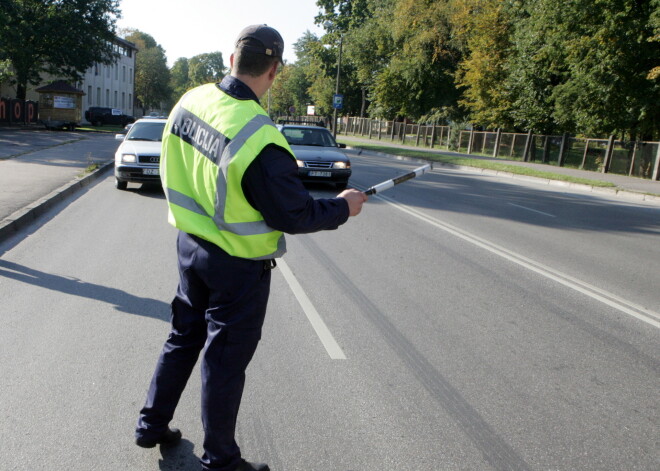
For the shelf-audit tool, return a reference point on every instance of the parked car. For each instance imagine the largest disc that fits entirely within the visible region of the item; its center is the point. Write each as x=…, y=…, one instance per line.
x=138, y=156
x=318, y=154
x=99, y=116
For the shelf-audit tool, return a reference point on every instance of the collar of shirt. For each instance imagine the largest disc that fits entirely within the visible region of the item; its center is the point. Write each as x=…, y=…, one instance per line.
x=237, y=89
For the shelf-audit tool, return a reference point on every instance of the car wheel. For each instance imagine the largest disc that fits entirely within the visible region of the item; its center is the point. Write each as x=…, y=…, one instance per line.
x=341, y=186
x=120, y=184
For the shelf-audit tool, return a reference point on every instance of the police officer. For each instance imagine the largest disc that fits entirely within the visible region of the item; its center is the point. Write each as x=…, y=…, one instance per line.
x=232, y=189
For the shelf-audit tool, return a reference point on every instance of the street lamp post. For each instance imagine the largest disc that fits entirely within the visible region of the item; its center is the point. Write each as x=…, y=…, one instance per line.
x=334, y=125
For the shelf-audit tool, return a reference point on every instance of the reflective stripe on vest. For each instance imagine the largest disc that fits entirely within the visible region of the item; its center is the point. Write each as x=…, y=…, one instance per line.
x=220, y=150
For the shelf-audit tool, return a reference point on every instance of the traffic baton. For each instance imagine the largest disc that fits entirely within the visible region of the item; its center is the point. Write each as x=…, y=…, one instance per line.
x=395, y=181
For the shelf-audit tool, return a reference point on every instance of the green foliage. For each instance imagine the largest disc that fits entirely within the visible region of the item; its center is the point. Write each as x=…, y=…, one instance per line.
x=179, y=82
x=482, y=31
x=342, y=15
x=290, y=90
x=316, y=75
x=63, y=37
x=5, y=70
x=654, y=24
x=582, y=66
x=152, y=77
x=205, y=68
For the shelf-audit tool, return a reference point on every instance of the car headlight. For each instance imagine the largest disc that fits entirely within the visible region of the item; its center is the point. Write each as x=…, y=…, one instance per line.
x=301, y=163
x=341, y=165
x=128, y=158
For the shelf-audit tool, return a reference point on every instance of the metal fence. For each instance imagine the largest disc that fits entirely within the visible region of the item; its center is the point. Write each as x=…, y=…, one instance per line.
x=634, y=158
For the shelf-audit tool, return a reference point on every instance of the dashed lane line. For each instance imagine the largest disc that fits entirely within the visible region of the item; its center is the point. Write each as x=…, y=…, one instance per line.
x=328, y=341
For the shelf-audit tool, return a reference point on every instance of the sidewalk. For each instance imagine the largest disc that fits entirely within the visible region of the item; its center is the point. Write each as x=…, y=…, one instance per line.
x=39, y=168
x=630, y=188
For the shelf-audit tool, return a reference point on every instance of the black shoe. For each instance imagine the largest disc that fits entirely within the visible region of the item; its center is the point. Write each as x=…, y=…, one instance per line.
x=170, y=437
x=247, y=466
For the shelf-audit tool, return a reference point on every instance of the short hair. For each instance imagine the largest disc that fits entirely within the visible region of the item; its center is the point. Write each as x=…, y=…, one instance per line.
x=252, y=63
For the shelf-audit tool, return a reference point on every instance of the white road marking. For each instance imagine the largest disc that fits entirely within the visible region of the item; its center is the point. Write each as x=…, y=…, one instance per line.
x=534, y=210
x=328, y=341
x=612, y=300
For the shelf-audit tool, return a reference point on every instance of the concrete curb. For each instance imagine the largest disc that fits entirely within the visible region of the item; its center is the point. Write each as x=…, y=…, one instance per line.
x=25, y=216
x=613, y=191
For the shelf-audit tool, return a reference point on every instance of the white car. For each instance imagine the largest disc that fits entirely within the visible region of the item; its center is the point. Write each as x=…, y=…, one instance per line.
x=138, y=156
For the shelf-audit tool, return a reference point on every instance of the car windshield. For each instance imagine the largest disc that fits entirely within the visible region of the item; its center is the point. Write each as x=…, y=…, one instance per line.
x=146, y=132
x=308, y=137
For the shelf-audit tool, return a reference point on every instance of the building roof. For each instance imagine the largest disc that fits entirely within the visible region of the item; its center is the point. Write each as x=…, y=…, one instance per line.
x=61, y=86
x=126, y=43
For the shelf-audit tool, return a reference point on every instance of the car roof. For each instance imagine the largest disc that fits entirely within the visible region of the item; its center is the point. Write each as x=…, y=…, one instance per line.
x=301, y=126
x=151, y=120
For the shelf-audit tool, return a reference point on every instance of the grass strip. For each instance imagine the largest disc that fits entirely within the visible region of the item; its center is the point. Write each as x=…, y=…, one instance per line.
x=475, y=162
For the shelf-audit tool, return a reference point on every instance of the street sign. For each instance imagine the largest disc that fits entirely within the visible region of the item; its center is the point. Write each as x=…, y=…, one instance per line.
x=338, y=101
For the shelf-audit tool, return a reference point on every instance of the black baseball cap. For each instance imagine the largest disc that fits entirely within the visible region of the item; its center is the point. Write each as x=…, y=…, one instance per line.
x=263, y=40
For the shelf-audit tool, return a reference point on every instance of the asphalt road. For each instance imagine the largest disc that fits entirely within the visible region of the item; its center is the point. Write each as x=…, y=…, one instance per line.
x=461, y=322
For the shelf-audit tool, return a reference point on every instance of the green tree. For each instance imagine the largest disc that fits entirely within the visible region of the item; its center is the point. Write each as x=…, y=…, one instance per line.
x=152, y=76
x=206, y=68
x=482, y=30
x=317, y=68
x=582, y=66
x=5, y=70
x=342, y=15
x=290, y=90
x=654, y=23
x=63, y=37
x=351, y=26
x=420, y=73
x=179, y=80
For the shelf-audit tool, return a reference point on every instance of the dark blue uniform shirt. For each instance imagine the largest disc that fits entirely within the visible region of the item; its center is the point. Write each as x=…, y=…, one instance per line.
x=272, y=186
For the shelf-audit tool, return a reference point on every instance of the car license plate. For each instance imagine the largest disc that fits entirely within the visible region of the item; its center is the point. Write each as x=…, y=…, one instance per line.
x=150, y=171
x=314, y=173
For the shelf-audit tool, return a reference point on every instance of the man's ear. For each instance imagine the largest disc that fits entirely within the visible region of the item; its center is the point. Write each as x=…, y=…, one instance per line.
x=272, y=72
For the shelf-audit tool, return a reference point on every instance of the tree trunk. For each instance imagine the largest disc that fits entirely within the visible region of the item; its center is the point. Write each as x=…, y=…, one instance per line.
x=364, y=102
x=21, y=91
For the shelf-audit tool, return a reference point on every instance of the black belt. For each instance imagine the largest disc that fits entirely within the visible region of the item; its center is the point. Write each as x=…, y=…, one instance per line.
x=269, y=264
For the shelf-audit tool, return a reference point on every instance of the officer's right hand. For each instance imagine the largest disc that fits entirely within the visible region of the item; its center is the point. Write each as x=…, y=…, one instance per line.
x=355, y=200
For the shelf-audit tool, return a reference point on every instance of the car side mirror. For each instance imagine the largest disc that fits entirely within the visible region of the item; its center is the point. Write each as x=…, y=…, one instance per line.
x=342, y=146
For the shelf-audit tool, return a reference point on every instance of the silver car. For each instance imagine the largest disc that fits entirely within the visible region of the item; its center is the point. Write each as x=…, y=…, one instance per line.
x=319, y=157
x=138, y=157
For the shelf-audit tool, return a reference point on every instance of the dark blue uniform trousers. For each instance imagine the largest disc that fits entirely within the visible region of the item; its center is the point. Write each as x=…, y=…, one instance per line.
x=219, y=310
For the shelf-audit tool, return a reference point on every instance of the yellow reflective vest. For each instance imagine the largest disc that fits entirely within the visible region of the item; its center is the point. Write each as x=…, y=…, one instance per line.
x=209, y=141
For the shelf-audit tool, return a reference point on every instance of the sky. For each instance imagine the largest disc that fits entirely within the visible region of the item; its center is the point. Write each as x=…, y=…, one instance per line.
x=186, y=28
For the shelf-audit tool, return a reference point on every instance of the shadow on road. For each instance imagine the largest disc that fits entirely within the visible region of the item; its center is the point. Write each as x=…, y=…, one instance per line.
x=121, y=300
x=179, y=458
x=481, y=196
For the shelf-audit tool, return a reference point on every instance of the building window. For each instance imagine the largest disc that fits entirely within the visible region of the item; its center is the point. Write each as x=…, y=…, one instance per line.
x=98, y=96
x=96, y=69
x=115, y=102
x=107, y=97
x=117, y=72
x=89, y=95
x=130, y=102
x=123, y=100
x=130, y=75
x=123, y=73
